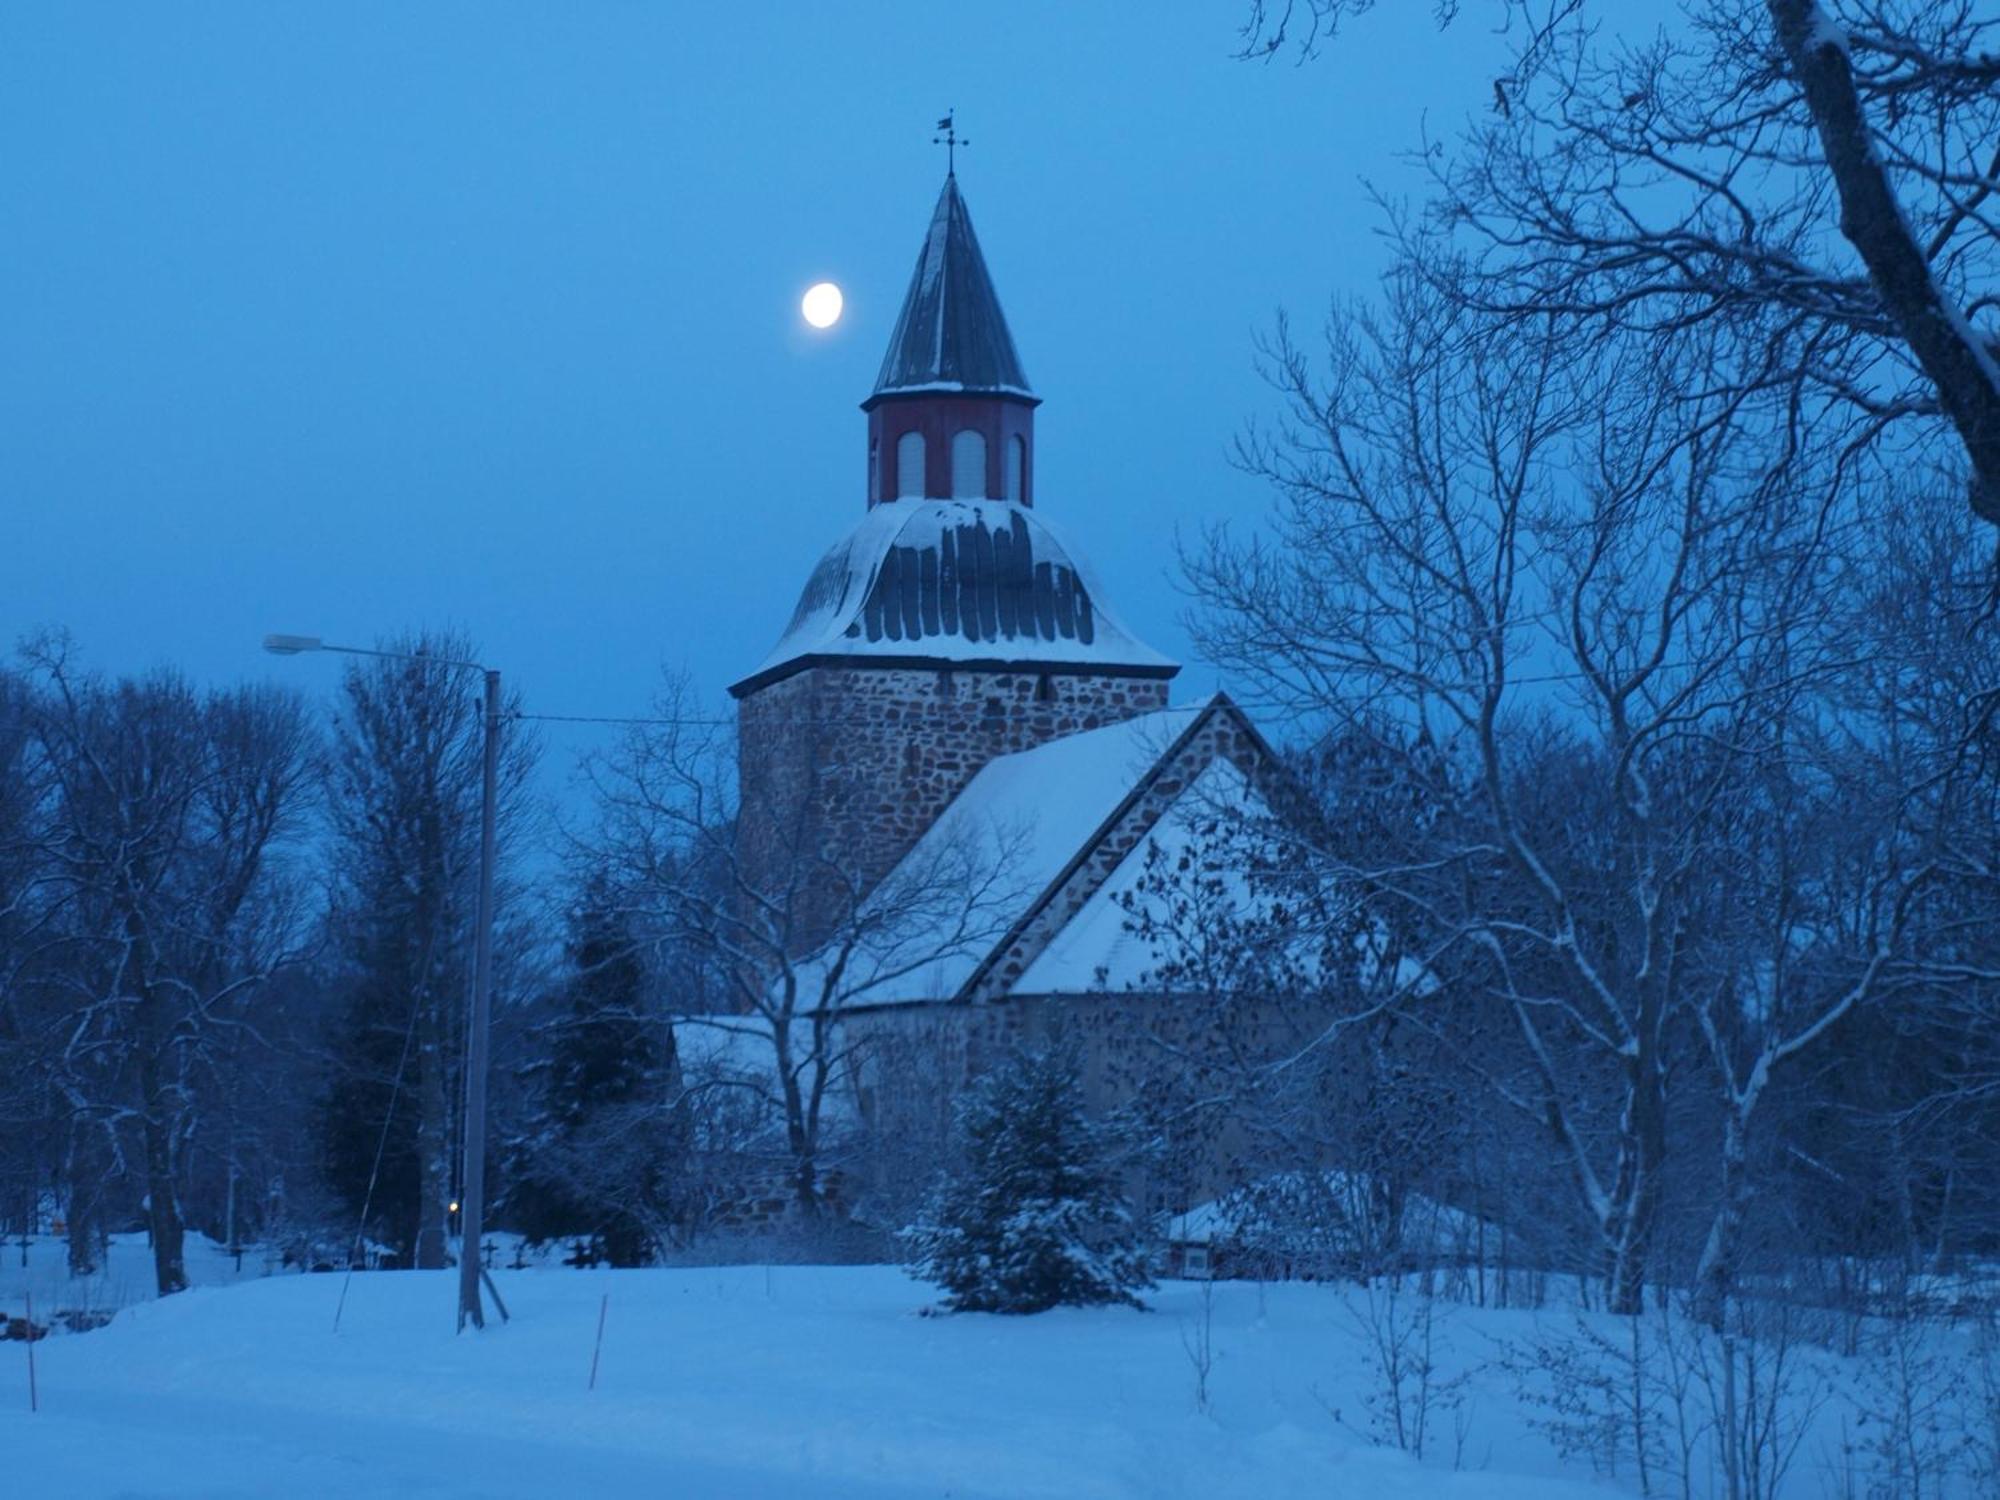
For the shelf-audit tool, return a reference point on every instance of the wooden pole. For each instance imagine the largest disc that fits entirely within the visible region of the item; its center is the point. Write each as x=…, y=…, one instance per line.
x=472, y=1198
x=486, y=1280
x=602, y=1308
x=34, y=1400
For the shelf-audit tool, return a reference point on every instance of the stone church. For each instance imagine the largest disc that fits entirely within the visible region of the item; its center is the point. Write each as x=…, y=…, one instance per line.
x=953, y=678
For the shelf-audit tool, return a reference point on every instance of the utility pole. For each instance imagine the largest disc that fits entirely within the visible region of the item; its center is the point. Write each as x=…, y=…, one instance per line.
x=472, y=1199
x=479, y=1034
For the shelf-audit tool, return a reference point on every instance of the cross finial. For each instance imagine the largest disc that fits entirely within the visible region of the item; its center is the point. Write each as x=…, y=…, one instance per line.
x=951, y=140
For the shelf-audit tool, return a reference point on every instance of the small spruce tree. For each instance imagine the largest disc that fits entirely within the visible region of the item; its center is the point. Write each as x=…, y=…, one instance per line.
x=1029, y=1219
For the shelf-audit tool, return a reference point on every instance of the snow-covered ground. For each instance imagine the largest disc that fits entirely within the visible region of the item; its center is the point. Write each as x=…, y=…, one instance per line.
x=126, y=1277
x=748, y=1381
x=740, y=1382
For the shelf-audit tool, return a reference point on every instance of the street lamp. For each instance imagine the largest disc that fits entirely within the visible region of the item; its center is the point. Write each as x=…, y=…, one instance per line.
x=472, y=1205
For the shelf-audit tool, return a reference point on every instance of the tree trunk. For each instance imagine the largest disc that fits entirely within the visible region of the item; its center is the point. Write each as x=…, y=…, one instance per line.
x=433, y=1170
x=1900, y=1174
x=805, y=1169
x=85, y=1170
x=1732, y=1420
x=805, y=1186
x=1871, y=218
x=158, y=1109
x=798, y=1131
x=1636, y=1193
x=163, y=1211
x=1715, y=1276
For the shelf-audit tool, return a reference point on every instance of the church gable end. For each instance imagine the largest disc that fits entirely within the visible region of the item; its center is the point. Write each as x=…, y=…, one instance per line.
x=1221, y=733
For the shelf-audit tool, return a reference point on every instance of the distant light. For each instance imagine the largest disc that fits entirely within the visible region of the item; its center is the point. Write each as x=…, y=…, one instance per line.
x=291, y=645
x=454, y=1205
x=822, y=304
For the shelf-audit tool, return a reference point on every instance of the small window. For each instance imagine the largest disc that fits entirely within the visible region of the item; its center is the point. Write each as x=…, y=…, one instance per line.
x=874, y=472
x=1017, y=466
x=1194, y=1260
x=910, y=466
x=968, y=466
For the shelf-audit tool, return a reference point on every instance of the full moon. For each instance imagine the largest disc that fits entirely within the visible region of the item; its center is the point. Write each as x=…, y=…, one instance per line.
x=821, y=305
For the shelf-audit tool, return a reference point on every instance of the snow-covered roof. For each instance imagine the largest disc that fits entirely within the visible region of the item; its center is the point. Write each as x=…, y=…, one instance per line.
x=1326, y=1211
x=1214, y=848
x=1097, y=949
x=955, y=582
x=739, y=1051
x=951, y=335
x=1029, y=815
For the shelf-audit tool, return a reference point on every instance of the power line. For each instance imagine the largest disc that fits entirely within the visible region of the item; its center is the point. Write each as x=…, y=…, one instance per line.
x=613, y=719
x=973, y=708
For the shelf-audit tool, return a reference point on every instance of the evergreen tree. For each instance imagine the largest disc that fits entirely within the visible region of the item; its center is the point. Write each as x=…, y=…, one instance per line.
x=1030, y=1219
x=403, y=797
x=603, y=1157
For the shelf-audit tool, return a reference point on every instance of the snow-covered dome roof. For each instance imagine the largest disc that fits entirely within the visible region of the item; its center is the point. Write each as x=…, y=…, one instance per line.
x=956, y=583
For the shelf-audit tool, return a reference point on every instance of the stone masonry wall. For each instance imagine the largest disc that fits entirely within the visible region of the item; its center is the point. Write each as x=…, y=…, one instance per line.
x=853, y=763
x=1146, y=1055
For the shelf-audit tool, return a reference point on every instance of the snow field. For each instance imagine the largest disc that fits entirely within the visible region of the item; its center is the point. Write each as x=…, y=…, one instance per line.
x=125, y=1278
x=738, y=1382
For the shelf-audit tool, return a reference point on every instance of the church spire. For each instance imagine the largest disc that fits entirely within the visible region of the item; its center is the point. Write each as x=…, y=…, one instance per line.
x=952, y=414
x=951, y=333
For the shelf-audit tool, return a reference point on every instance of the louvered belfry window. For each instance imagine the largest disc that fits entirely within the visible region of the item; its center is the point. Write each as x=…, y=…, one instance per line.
x=968, y=465
x=910, y=466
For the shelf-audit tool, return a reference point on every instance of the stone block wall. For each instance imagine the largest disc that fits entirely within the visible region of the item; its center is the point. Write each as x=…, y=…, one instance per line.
x=850, y=764
x=1152, y=1055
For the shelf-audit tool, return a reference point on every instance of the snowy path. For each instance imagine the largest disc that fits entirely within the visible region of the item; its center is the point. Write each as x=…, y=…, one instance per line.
x=800, y=1381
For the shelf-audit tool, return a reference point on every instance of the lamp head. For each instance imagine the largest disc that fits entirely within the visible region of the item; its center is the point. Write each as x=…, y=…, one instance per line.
x=292, y=645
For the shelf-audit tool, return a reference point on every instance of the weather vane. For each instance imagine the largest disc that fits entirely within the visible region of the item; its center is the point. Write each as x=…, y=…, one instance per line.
x=951, y=140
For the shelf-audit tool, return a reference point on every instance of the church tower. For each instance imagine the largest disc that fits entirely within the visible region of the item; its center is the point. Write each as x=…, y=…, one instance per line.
x=952, y=417
x=949, y=626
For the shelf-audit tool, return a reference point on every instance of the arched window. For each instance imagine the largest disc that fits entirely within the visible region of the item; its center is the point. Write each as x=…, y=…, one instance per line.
x=1017, y=466
x=910, y=466
x=968, y=466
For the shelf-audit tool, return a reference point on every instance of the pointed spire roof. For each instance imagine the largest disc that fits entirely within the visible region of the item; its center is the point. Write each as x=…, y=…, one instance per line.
x=951, y=335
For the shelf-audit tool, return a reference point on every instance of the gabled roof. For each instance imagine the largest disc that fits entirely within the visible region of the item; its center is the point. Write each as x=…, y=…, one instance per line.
x=951, y=334
x=955, y=583
x=1036, y=816
x=1097, y=951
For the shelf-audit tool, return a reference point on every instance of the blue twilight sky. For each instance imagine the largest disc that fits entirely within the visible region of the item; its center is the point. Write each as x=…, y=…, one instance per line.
x=338, y=318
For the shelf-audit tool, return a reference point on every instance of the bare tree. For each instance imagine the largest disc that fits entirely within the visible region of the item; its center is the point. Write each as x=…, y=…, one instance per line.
x=1827, y=166
x=1932, y=1111
x=1289, y=1075
x=166, y=808
x=30, y=1117
x=1586, y=574
x=789, y=937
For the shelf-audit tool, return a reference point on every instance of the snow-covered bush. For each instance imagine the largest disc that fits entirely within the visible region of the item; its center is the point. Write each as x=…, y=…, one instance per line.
x=1029, y=1218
